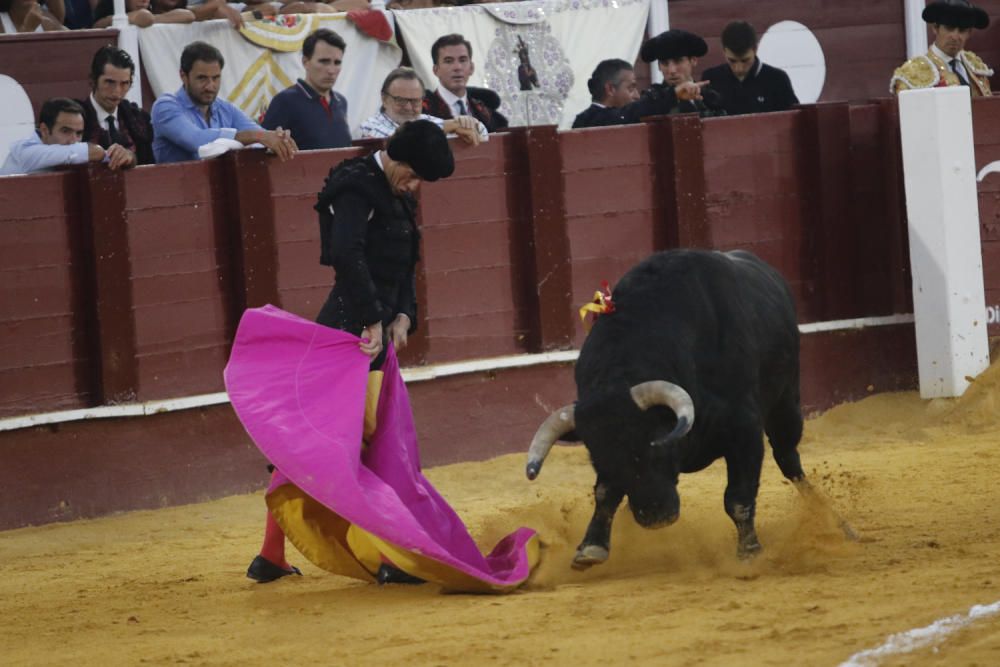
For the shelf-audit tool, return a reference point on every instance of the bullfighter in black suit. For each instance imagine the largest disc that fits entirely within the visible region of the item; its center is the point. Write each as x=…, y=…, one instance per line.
x=108, y=117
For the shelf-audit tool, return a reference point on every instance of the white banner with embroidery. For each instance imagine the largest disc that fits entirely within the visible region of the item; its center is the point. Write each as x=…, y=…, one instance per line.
x=254, y=73
x=536, y=55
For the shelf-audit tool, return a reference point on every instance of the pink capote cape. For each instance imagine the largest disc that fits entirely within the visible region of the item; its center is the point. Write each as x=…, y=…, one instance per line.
x=299, y=389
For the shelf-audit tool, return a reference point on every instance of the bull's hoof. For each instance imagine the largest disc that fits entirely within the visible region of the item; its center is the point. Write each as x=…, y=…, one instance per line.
x=748, y=551
x=588, y=555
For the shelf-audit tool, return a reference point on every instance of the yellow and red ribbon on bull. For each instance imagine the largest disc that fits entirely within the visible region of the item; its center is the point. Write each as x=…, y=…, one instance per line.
x=600, y=305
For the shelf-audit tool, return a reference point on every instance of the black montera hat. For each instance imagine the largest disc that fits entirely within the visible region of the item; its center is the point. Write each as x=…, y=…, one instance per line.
x=956, y=13
x=673, y=44
x=422, y=145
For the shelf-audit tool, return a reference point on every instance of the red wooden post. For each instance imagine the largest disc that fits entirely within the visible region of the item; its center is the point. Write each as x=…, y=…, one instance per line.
x=826, y=155
x=678, y=151
x=255, y=250
x=553, y=276
x=108, y=270
x=693, y=228
x=898, y=257
x=522, y=240
x=418, y=345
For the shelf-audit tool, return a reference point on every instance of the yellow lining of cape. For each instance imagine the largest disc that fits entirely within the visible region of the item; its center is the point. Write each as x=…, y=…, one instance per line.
x=332, y=543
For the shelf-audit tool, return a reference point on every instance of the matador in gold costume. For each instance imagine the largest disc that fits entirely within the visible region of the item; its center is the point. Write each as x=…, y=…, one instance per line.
x=947, y=62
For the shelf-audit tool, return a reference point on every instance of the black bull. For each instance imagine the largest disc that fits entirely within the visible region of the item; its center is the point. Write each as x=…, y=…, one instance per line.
x=700, y=355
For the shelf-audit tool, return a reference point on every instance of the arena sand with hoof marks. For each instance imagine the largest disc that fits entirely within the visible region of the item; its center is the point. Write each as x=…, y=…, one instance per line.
x=919, y=481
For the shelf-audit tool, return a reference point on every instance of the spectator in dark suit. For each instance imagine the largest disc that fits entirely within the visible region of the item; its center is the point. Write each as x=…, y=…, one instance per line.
x=108, y=117
x=611, y=86
x=745, y=83
x=452, y=56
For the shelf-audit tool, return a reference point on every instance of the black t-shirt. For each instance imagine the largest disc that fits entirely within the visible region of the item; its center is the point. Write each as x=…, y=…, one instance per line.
x=765, y=88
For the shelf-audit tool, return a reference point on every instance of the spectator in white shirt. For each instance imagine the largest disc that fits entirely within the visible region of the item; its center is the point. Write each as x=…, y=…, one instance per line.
x=59, y=141
x=402, y=101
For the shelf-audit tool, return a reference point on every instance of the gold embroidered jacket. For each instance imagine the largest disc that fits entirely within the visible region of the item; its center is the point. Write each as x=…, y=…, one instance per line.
x=929, y=70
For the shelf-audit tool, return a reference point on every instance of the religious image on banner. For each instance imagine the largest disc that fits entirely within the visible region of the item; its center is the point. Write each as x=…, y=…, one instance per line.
x=527, y=66
x=526, y=75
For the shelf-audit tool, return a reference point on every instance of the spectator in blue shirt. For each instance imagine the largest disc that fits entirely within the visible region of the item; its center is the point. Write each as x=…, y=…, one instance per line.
x=311, y=110
x=193, y=117
x=59, y=141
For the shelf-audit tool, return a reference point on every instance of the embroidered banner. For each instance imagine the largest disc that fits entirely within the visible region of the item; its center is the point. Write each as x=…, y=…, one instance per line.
x=536, y=55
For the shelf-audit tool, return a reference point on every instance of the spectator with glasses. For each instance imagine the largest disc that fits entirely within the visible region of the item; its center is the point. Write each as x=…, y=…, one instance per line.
x=402, y=101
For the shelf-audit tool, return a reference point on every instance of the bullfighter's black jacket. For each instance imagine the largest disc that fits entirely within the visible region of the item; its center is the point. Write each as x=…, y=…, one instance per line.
x=369, y=236
x=658, y=100
x=135, y=131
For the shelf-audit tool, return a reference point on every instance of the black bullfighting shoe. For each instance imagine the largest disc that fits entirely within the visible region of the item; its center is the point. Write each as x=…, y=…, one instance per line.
x=387, y=574
x=262, y=570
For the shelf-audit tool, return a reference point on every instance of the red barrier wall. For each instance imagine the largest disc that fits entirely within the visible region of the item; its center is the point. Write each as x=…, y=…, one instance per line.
x=129, y=286
x=470, y=272
x=986, y=123
x=181, y=277
x=164, y=259
x=44, y=348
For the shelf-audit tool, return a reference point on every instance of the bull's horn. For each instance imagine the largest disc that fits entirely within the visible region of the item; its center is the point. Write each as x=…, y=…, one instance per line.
x=660, y=392
x=558, y=424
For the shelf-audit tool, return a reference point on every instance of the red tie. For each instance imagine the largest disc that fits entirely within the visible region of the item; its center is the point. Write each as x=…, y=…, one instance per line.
x=326, y=106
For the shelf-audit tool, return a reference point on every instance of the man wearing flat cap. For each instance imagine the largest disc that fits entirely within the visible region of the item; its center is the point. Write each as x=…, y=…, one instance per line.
x=677, y=53
x=369, y=236
x=947, y=63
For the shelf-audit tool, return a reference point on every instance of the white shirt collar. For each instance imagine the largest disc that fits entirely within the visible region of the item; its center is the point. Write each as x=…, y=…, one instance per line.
x=944, y=56
x=378, y=161
x=450, y=98
x=102, y=114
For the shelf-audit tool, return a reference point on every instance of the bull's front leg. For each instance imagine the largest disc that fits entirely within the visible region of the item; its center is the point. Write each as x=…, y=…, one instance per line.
x=743, y=472
x=596, y=543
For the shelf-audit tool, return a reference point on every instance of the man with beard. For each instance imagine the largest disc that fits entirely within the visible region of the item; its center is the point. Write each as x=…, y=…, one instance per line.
x=947, y=63
x=311, y=110
x=193, y=117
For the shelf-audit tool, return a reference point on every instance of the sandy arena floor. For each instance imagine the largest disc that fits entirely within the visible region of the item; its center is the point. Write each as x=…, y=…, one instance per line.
x=918, y=481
